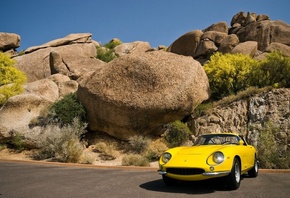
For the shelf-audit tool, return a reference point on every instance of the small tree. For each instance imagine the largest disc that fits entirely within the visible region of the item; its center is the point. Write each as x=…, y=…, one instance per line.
x=11, y=79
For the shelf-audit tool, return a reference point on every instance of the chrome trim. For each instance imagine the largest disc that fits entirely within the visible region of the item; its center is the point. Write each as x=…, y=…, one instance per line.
x=162, y=172
x=216, y=173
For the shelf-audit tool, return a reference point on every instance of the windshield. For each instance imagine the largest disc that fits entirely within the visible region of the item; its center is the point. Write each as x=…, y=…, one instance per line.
x=217, y=139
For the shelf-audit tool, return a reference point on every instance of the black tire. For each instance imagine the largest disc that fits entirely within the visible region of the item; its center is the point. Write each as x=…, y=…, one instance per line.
x=254, y=171
x=233, y=180
x=169, y=181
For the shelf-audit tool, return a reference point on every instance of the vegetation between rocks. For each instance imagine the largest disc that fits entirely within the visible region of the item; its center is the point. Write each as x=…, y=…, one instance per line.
x=270, y=153
x=106, y=53
x=229, y=74
x=11, y=79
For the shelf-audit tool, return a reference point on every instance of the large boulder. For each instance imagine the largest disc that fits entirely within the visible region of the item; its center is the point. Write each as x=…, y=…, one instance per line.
x=247, y=48
x=135, y=94
x=285, y=49
x=229, y=43
x=131, y=48
x=69, y=39
x=186, y=44
x=9, y=41
x=74, y=60
x=265, y=32
x=209, y=43
x=218, y=27
x=73, y=56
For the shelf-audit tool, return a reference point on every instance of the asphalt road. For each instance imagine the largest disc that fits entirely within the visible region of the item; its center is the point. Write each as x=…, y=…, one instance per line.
x=33, y=180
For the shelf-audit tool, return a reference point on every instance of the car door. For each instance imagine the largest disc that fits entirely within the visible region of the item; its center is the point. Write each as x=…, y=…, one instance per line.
x=247, y=155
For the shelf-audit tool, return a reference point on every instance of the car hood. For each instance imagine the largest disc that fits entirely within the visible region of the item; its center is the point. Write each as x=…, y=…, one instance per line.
x=199, y=150
x=195, y=156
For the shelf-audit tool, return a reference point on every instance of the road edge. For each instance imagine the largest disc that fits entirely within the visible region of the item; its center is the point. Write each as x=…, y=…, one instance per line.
x=113, y=167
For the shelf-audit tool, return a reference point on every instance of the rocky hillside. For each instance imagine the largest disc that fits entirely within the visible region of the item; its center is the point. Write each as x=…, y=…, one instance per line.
x=146, y=88
x=248, y=33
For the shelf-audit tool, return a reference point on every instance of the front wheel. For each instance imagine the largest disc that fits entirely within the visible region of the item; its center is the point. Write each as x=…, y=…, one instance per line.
x=233, y=180
x=254, y=171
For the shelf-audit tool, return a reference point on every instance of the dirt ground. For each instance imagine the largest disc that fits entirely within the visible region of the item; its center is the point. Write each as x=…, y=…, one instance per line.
x=8, y=154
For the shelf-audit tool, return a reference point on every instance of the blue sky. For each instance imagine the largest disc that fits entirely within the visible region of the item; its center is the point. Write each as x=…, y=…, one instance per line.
x=158, y=22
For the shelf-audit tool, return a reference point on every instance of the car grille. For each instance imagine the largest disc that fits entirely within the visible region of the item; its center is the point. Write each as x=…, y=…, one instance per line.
x=185, y=171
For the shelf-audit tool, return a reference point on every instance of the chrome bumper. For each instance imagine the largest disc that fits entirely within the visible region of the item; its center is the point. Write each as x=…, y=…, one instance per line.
x=224, y=173
x=162, y=172
x=216, y=173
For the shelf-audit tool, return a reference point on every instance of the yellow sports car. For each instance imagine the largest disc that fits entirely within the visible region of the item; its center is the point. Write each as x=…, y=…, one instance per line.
x=212, y=155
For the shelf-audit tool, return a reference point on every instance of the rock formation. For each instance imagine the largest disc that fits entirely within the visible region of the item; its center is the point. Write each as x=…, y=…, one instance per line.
x=9, y=41
x=72, y=55
x=249, y=116
x=249, y=34
x=134, y=94
x=21, y=109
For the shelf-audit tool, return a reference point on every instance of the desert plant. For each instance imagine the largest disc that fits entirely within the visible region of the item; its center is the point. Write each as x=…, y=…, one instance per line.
x=134, y=160
x=154, y=150
x=66, y=109
x=274, y=71
x=2, y=146
x=106, y=53
x=16, y=141
x=177, y=133
x=113, y=43
x=11, y=79
x=228, y=73
x=269, y=154
x=139, y=143
x=107, y=151
x=62, y=143
x=86, y=158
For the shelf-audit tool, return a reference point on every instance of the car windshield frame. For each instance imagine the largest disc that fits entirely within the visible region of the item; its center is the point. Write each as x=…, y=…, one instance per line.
x=217, y=139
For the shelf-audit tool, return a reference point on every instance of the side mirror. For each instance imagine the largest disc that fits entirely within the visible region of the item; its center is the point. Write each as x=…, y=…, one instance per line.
x=241, y=142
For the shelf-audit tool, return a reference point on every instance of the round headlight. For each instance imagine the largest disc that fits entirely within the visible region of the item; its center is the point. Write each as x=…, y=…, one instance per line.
x=218, y=157
x=166, y=157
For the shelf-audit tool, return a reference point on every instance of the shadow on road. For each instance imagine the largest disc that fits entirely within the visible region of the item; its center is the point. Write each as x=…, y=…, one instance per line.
x=200, y=187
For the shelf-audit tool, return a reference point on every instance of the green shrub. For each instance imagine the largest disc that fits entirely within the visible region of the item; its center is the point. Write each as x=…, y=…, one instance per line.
x=106, y=53
x=272, y=71
x=16, y=141
x=68, y=108
x=228, y=73
x=2, y=146
x=134, y=160
x=61, y=143
x=269, y=154
x=177, y=133
x=113, y=43
x=11, y=79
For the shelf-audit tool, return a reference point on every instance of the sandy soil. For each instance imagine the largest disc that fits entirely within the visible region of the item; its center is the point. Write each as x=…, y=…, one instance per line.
x=8, y=154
